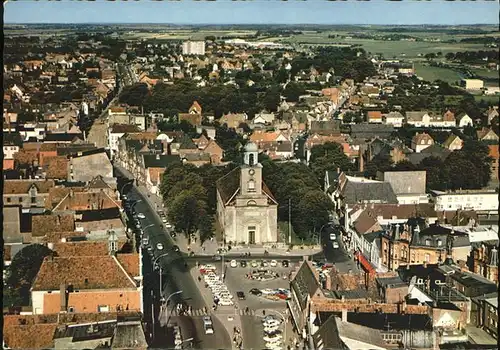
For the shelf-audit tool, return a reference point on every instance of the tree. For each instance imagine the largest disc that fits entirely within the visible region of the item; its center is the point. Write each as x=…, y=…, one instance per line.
x=314, y=207
x=405, y=165
x=381, y=162
x=436, y=174
x=185, y=211
x=293, y=91
x=173, y=174
x=191, y=182
x=23, y=271
x=328, y=157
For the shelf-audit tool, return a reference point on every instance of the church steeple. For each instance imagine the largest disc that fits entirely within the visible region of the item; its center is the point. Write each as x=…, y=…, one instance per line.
x=251, y=154
x=251, y=171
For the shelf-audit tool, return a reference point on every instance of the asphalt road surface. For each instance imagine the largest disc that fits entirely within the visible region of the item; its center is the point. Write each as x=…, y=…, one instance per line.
x=332, y=255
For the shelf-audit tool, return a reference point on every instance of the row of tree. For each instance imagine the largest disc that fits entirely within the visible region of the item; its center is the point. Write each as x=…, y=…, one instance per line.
x=468, y=168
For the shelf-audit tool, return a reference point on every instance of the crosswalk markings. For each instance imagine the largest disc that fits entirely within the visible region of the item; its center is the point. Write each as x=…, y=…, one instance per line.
x=201, y=312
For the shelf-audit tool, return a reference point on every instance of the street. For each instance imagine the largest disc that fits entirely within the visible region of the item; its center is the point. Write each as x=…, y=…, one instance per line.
x=175, y=277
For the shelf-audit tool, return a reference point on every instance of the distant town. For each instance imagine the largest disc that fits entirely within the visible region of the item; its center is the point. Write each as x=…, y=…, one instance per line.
x=281, y=187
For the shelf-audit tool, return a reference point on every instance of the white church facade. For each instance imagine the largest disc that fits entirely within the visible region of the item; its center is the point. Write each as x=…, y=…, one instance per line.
x=247, y=210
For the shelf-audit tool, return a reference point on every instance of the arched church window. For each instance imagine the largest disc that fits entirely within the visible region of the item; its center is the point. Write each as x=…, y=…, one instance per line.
x=251, y=203
x=251, y=159
x=251, y=186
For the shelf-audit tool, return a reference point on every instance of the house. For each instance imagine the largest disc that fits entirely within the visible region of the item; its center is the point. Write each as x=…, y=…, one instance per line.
x=393, y=118
x=494, y=154
x=484, y=313
x=491, y=114
x=453, y=143
x=418, y=118
x=409, y=186
x=246, y=209
x=41, y=225
x=27, y=193
x=86, y=200
x=152, y=167
x=263, y=118
x=434, y=150
x=421, y=141
x=11, y=145
x=485, y=259
x=116, y=131
x=464, y=120
x=325, y=128
x=481, y=201
x=75, y=285
x=84, y=166
x=371, y=131
x=374, y=117
x=56, y=168
x=215, y=151
x=486, y=134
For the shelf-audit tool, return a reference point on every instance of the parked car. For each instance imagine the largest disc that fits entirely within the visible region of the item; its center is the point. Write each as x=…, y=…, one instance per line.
x=233, y=263
x=175, y=248
x=141, y=216
x=168, y=225
x=164, y=220
x=273, y=263
x=159, y=246
x=335, y=245
x=243, y=263
x=240, y=295
x=254, y=263
x=207, y=325
x=255, y=291
x=333, y=236
x=217, y=258
x=285, y=263
x=264, y=263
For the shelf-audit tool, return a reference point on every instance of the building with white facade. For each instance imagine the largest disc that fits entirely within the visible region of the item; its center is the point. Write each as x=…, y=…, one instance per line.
x=193, y=48
x=482, y=201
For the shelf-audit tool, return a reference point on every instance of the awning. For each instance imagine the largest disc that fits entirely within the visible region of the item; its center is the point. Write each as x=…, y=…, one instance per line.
x=363, y=261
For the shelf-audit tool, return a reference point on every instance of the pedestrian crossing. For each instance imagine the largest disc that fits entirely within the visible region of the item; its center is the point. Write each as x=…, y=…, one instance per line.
x=203, y=312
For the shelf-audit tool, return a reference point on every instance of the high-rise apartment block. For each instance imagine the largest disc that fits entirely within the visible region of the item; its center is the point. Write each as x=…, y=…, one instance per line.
x=193, y=48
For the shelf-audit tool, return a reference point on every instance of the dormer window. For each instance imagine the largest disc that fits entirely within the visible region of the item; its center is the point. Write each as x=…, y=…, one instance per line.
x=439, y=242
x=427, y=242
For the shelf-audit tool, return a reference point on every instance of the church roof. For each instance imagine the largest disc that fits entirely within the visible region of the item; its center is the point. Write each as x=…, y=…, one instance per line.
x=229, y=185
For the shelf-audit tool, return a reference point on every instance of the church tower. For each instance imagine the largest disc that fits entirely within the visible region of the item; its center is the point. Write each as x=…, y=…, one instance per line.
x=251, y=172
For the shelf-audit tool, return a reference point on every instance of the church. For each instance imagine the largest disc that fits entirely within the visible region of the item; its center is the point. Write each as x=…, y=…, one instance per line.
x=246, y=208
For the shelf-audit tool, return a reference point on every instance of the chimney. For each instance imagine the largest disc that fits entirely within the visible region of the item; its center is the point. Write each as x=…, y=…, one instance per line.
x=361, y=160
x=344, y=315
x=494, y=257
x=62, y=293
x=396, y=234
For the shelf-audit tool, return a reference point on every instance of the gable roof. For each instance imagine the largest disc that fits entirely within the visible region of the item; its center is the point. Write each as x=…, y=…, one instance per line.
x=98, y=182
x=327, y=336
x=369, y=191
x=57, y=167
x=82, y=273
x=84, y=248
x=23, y=186
x=159, y=160
x=86, y=201
x=30, y=336
x=305, y=283
x=43, y=224
x=124, y=128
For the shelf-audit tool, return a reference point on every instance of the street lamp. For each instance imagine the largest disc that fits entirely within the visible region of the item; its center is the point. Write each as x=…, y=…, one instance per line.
x=154, y=263
x=166, y=304
x=130, y=182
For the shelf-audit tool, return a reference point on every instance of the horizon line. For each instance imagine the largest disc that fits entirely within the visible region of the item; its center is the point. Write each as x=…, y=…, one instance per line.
x=254, y=24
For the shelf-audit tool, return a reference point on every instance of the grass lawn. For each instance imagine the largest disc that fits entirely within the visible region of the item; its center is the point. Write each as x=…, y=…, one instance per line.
x=434, y=73
x=492, y=100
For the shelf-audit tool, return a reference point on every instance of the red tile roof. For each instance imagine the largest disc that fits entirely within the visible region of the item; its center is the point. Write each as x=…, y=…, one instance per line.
x=35, y=336
x=23, y=186
x=43, y=224
x=83, y=272
x=84, y=248
x=57, y=167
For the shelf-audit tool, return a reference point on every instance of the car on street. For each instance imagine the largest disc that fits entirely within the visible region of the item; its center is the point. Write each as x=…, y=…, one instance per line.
x=124, y=197
x=208, y=325
x=145, y=241
x=240, y=295
x=254, y=263
x=243, y=263
x=164, y=220
x=335, y=245
x=150, y=248
x=168, y=225
x=217, y=258
x=273, y=263
x=285, y=263
x=264, y=263
x=333, y=236
x=141, y=216
x=159, y=246
x=175, y=248
x=233, y=263
x=255, y=291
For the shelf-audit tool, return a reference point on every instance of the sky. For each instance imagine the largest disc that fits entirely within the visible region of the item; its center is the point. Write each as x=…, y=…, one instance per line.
x=406, y=12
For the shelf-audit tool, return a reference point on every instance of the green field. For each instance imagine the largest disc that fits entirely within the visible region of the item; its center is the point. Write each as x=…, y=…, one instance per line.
x=436, y=73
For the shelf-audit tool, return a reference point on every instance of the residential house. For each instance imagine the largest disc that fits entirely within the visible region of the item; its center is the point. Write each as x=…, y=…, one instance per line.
x=494, y=154
x=434, y=150
x=394, y=150
x=481, y=201
x=215, y=151
x=263, y=119
x=395, y=119
x=27, y=193
x=152, y=167
x=418, y=118
x=486, y=134
x=75, y=285
x=315, y=139
x=409, y=186
x=56, y=167
x=115, y=132
x=453, y=143
x=11, y=145
x=42, y=225
x=464, y=120
x=484, y=313
x=276, y=144
x=325, y=128
x=491, y=114
x=374, y=117
x=484, y=260
x=421, y=141
x=371, y=131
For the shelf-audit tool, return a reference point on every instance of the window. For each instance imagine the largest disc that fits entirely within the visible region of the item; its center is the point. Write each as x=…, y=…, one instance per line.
x=251, y=186
x=20, y=199
x=427, y=257
x=33, y=200
x=251, y=203
x=103, y=308
x=427, y=242
x=439, y=242
x=71, y=309
x=8, y=199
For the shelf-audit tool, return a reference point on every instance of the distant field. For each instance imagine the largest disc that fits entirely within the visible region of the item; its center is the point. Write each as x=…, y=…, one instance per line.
x=492, y=100
x=486, y=73
x=436, y=73
x=189, y=34
x=389, y=49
